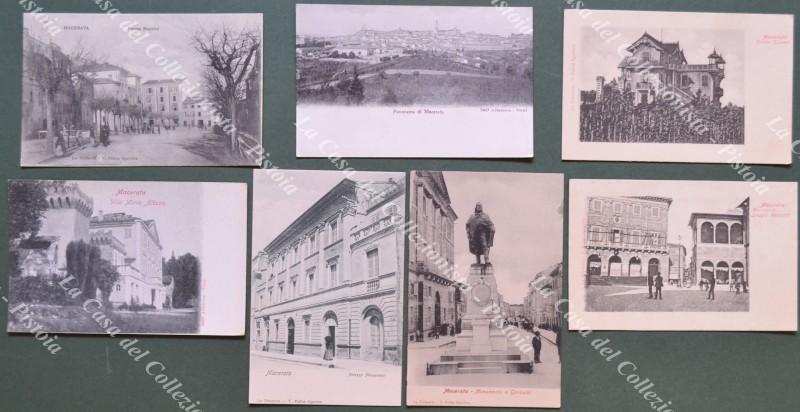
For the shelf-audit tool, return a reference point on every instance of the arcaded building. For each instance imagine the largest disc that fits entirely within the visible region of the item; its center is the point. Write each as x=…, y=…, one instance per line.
x=433, y=297
x=720, y=245
x=333, y=278
x=626, y=239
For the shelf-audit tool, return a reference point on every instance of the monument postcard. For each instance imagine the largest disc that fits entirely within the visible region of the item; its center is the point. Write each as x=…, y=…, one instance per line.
x=683, y=255
x=651, y=86
x=119, y=257
x=112, y=89
x=326, y=321
x=485, y=281
x=414, y=81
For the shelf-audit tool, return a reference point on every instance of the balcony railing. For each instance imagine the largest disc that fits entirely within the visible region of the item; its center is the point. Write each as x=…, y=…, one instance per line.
x=373, y=285
x=615, y=240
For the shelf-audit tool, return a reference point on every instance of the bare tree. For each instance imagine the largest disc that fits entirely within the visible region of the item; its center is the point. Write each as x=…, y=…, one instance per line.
x=230, y=57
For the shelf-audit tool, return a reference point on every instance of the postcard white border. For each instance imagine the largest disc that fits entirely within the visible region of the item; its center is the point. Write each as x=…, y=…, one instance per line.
x=768, y=88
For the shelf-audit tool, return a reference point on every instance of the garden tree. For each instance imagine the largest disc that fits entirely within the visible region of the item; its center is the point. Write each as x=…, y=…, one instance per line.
x=355, y=91
x=53, y=71
x=185, y=272
x=230, y=57
x=27, y=204
x=90, y=270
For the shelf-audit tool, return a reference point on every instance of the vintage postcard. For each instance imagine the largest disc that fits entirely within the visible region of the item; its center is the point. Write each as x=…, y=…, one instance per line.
x=103, y=257
x=650, y=86
x=485, y=278
x=683, y=255
x=414, y=81
x=327, y=287
x=111, y=89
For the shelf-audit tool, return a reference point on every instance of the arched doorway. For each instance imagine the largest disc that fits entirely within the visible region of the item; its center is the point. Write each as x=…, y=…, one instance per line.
x=707, y=270
x=652, y=267
x=635, y=267
x=737, y=271
x=615, y=266
x=723, y=272
x=594, y=265
x=437, y=312
x=290, y=336
x=372, y=334
x=329, y=324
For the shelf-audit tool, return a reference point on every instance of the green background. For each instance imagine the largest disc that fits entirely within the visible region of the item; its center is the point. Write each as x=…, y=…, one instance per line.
x=698, y=371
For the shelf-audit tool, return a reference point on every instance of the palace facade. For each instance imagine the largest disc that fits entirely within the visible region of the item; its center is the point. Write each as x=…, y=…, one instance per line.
x=433, y=296
x=720, y=243
x=333, y=278
x=626, y=239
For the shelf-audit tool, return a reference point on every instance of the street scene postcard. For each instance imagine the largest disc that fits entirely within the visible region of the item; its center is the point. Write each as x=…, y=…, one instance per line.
x=484, y=282
x=326, y=318
x=414, y=81
x=683, y=255
x=142, y=90
x=103, y=257
x=651, y=86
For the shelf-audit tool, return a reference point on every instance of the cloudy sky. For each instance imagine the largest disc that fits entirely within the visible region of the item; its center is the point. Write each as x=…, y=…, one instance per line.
x=106, y=41
x=601, y=58
x=526, y=211
x=177, y=222
x=336, y=20
x=274, y=210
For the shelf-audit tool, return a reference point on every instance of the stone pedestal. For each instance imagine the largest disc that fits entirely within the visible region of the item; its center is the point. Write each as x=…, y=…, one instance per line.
x=481, y=347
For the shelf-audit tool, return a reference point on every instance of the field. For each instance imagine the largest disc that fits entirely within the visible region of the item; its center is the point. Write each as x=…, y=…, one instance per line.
x=74, y=319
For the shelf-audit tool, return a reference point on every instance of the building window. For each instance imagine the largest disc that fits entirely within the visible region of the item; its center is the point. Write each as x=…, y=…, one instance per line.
x=310, y=283
x=373, y=263
x=119, y=287
x=721, y=235
x=637, y=210
x=333, y=271
x=705, y=80
x=617, y=207
x=646, y=56
x=737, y=234
x=334, y=227
x=411, y=289
x=707, y=233
x=655, y=212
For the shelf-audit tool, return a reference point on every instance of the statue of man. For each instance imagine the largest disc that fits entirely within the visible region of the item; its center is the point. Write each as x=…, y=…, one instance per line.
x=480, y=232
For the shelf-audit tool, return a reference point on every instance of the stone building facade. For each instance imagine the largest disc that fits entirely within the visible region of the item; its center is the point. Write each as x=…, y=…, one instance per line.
x=626, y=239
x=433, y=296
x=333, y=278
x=720, y=245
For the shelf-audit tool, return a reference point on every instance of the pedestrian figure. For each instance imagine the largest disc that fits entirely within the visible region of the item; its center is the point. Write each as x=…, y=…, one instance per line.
x=650, y=286
x=537, y=347
x=738, y=285
x=711, y=285
x=659, y=283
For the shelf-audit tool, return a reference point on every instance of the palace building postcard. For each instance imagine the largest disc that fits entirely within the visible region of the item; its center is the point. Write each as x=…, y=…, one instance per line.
x=485, y=279
x=124, y=257
x=683, y=255
x=142, y=90
x=326, y=318
x=395, y=81
x=650, y=86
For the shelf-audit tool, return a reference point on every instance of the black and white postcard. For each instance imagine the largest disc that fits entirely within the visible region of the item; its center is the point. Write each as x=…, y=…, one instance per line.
x=115, y=89
x=414, y=81
x=103, y=257
x=485, y=281
x=683, y=255
x=677, y=87
x=326, y=322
